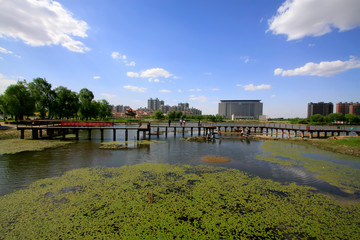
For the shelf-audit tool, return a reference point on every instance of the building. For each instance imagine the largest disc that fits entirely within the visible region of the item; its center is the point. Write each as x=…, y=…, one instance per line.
x=241, y=109
x=345, y=108
x=320, y=108
x=155, y=104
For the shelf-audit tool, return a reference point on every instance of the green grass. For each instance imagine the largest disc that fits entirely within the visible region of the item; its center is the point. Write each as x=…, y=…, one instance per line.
x=12, y=146
x=189, y=202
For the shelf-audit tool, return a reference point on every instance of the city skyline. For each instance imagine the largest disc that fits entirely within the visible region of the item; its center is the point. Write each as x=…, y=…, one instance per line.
x=198, y=52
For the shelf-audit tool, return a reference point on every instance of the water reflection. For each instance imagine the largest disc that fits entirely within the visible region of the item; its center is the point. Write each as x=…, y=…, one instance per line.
x=19, y=170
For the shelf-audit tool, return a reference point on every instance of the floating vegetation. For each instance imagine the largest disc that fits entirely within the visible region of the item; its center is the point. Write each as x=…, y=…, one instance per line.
x=287, y=153
x=12, y=146
x=196, y=139
x=215, y=159
x=162, y=201
x=121, y=145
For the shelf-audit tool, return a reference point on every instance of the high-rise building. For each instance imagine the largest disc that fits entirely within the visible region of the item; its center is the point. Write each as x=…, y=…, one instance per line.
x=320, y=108
x=155, y=104
x=243, y=109
x=345, y=108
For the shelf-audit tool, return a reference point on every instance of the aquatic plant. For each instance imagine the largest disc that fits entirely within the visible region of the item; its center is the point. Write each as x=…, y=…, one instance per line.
x=162, y=201
x=215, y=159
x=287, y=153
x=121, y=145
x=12, y=146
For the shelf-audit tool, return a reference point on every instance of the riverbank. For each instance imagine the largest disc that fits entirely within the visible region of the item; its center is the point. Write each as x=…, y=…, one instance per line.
x=10, y=142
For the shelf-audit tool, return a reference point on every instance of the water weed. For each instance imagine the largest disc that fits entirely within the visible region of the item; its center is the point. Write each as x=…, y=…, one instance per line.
x=162, y=201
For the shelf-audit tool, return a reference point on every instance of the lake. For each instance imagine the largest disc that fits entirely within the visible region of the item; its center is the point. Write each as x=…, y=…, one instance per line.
x=17, y=171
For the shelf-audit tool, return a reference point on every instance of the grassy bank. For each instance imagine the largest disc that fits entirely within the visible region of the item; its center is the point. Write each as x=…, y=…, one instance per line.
x=161, y=201
x=11, y=143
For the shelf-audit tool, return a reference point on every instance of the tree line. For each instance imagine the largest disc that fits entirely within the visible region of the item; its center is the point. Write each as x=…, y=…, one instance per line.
x=329, y=119
x=177, y=115
x=24, y=99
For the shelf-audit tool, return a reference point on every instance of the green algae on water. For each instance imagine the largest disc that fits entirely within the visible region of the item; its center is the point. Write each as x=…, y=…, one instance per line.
x=12, y=146
x=189, y=202
x=284, y=153
x=121, y=145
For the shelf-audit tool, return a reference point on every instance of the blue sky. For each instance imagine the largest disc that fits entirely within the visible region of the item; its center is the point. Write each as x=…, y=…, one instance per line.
x=285, y=53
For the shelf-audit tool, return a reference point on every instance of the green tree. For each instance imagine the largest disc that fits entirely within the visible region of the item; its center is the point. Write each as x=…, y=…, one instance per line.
x=318, y=118
x=86, y=103
x=66, y=103
x=178, y=114
x=104, y=109
x=334, y=117
x=159, y=115
x=44, y=97
x=218, y=118
x=352, y=118
x=171, y=115
x=17, y=100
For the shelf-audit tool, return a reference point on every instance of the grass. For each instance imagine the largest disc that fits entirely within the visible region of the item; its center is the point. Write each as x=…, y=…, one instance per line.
x=161, y=201
x=12, y=146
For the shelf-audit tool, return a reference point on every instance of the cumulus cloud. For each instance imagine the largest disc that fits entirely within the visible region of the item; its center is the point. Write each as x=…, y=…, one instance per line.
x=198, y=98
x=122, y=58
x=134, y=88
x=96, y=77
x=150, y=74
x=132, y=74
x=42, y=23
x=299, y=18
x=321, y=69
x=165, y=91
x=252, y=87
x=4, y=83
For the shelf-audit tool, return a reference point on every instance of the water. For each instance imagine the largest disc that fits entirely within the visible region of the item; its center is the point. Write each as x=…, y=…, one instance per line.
x=19, y=170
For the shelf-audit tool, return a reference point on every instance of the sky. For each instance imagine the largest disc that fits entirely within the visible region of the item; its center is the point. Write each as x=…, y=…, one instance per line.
x=285, y=53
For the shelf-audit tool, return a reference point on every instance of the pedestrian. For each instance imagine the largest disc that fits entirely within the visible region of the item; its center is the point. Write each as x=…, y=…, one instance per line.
x=169, y=122
x=184, y=123
x=180, y=122
x=219, y=132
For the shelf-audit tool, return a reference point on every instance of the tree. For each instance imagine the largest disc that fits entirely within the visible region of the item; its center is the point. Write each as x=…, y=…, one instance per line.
x=66, y=103
x=334, y=117
x=352, y=118
x=178, y=114
x=18, y=101
x=218, y=118
x=316, y=118
x=86, y=104
x=158, y=114
x=44, y=97
x=103, y=109
x=171, y=115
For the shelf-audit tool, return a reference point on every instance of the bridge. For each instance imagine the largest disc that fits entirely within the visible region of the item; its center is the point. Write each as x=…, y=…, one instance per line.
x=61, y=128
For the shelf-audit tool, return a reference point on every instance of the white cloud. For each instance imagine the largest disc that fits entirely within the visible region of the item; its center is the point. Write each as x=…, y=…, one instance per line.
x=299, y=18
x=155, y=72
x=42, y=23
x=4, y=83
x=215, y=89
x=134, y=88
x=321, y=69
x=5, y=51
x=108, y=96
x=132, y=74
x=122, y=58
x=151, y=73
x=198, y=98
x=246, y=59
x=96, y=77
x=252, y=87
x=131, y=64
x=165, y=91
x=115, y=55
x=194, y=90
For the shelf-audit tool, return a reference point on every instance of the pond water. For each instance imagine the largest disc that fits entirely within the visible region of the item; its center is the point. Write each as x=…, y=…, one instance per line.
x=17, y=171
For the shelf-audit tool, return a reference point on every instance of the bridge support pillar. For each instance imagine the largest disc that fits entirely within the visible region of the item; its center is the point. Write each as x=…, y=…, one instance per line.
x=138, y=135
x=166, y=130
x=183, y=131
x=158, y=132
x=77, y=134
x=231, y=129
x=174, y=131
x=114, y=134
x=22, y=136
x=34, y=133
x=288, y=136
x=126, y=135
x=102, y=134
x=225, y=129
x=40, y=132
x=191, y=131
x=199, y=131
x=63, y=132
x=89, y=134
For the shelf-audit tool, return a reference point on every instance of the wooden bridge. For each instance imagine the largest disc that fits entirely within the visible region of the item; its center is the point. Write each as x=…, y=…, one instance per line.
x=61, y=128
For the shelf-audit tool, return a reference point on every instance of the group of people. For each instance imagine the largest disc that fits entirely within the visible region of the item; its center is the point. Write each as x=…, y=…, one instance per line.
x=245, y=132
